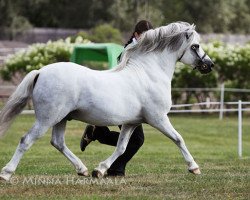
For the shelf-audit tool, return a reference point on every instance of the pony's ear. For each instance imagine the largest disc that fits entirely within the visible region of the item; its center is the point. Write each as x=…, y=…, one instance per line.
x=188, y=35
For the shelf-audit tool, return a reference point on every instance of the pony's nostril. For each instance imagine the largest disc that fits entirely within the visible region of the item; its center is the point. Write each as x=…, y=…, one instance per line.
x=212, y=64
x=204, y=66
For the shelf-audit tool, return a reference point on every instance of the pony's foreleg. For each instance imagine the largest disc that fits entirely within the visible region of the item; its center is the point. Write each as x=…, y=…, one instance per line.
x=167, y=129
x=25, y=143
x=121, y=146
x=58, y=142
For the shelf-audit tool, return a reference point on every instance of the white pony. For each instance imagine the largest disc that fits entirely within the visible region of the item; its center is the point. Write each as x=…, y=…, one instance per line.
x=137, y=91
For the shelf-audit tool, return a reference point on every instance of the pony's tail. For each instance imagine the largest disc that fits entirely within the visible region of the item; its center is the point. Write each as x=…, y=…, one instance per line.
x=17, y=101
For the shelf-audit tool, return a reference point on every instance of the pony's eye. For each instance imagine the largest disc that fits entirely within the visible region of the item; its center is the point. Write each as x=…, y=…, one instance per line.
x=195, y=46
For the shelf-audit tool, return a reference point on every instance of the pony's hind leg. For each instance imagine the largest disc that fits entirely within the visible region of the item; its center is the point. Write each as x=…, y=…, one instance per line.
x=58, y=142
x=37, y=131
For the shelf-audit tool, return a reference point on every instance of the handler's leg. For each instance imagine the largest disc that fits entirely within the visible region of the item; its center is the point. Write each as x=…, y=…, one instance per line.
x=166, y=127
x=105, y=136
x=100, y=133
x=123, y=140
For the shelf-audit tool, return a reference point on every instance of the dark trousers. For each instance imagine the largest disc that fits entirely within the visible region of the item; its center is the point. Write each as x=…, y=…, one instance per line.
x=105, y=136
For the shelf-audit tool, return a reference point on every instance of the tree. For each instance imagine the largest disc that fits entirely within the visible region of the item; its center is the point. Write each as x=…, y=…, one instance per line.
x=210, y=16
x=218, y=16
x=126, y=13
x=11, y=22
x=67, y=13
x=240, y=22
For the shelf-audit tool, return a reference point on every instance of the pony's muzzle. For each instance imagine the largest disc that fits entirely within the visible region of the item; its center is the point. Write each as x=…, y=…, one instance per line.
x=205, y=66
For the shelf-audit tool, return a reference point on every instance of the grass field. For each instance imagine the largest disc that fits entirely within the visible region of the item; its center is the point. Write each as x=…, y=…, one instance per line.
x=157, y=171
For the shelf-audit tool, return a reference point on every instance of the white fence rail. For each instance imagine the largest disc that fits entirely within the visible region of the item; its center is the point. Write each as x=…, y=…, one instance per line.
x=193, y=107
x=239, y=109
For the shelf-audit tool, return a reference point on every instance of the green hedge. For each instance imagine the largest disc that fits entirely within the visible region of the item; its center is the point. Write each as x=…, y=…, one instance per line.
x=101, y=33
x=37, y=56
x=232, y=65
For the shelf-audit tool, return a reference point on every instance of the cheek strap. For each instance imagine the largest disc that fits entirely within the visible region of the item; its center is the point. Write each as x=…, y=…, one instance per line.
x=179, y=59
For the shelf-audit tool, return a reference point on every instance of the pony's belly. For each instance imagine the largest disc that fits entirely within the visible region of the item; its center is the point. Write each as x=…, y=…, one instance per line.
x=104, y=119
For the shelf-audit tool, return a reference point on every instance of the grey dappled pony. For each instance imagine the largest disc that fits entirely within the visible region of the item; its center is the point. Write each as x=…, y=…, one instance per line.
x=137, y=91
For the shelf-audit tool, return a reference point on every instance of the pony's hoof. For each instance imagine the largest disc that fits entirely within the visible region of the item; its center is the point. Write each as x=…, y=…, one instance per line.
x=97, y=174
x=86, y=173
x=195, y=171
x=5, y=176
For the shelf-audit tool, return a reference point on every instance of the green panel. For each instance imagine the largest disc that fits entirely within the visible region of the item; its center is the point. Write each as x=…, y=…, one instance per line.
x=103, y=52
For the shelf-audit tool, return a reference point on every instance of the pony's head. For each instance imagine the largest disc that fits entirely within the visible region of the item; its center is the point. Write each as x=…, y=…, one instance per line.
x=192, y=53
x=179, y=38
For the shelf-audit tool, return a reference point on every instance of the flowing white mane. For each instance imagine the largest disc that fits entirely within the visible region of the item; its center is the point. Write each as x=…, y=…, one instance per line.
x=170, y=37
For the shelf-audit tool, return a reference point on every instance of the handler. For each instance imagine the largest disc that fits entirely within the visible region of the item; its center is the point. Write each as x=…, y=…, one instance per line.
x=105, y=136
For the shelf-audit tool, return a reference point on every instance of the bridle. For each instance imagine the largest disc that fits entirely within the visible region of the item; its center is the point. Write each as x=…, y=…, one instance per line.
x=202, y=65
x=194, y=48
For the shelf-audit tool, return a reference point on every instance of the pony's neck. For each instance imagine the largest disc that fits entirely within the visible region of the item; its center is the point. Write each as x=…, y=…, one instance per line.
x=156, y=63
